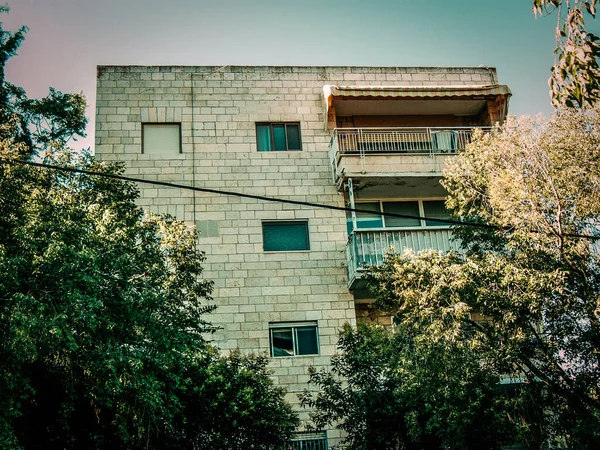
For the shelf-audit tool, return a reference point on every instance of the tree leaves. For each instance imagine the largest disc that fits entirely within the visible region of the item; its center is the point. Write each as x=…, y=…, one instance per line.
x=575, y=79
x=524, y=296
x=400, y=389
x=103, y=310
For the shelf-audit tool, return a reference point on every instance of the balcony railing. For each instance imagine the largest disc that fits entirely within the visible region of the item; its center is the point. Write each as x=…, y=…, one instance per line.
x=368, y=247
x=385, y=141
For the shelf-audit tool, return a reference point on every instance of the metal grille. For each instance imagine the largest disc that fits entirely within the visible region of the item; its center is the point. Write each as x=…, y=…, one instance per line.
x=309, y=441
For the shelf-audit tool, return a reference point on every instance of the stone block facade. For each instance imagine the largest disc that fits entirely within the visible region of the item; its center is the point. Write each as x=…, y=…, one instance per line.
x=217, y=109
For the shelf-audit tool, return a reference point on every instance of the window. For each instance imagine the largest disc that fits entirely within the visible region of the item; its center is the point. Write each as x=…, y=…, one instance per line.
x=161, y=138
x=278, y=137
x=403, y=208
x=435, y=209
x=310, y=441
x=294, y=339
x=366, y=220
x=285, y=236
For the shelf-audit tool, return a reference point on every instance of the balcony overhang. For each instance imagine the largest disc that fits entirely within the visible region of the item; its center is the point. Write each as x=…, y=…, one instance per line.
x=415, y=100
x=376, y=186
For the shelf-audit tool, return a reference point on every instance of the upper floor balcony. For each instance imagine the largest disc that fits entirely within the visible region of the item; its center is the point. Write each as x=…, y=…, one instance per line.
x=395, y=151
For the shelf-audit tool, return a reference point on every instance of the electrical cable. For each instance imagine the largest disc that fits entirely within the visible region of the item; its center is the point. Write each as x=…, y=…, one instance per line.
x=268, y=199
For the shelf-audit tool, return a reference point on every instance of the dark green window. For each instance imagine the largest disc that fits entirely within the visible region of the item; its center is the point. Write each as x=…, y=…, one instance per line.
x=404, y=208
x=365, y=219
x=436, y=209
x=285, y=236
x=295, y=339
x=278, y=137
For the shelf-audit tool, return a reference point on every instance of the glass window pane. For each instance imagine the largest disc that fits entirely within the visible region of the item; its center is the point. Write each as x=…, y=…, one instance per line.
x=307, y=340
x=279, y=137
x=263, y=138
x=437, y=210
x=285, y=236
x=366, y=220
x=407, y=208
x=293, y=137
x=282, y=342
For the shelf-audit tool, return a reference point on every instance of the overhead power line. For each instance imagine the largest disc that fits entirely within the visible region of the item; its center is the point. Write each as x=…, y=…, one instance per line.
x=265, y=198
x=237, y=194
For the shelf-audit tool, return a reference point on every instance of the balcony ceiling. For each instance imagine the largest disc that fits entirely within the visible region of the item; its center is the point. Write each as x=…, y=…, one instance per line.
x=366, y=187
x=408, y=106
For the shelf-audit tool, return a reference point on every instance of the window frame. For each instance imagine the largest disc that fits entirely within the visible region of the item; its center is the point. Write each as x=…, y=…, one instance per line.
x=178, y=124
x=420, y=201
x=283, y=223
x=272, y=136
x=294, y=326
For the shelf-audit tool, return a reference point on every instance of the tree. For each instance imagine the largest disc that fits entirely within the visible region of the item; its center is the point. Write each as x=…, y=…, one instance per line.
x=99, y=307
x=533, y=279
x=519, y=304
x=102, y=311
x=230, y=402
x=575, y=79
x=410, y=390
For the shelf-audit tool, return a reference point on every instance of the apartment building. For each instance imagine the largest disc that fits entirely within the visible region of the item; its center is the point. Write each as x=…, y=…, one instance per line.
x=287, y=277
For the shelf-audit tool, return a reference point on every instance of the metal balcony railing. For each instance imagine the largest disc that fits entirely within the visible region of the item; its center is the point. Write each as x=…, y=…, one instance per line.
x=407, y=140
x=368, y=247
x=309, y=441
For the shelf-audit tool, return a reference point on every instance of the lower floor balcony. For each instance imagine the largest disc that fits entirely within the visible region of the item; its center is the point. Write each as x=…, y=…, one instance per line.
x=369, y=247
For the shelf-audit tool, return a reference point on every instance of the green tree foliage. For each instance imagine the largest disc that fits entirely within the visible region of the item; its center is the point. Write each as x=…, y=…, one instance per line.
x=533, y=282
x=575, y=80
x=231, y=403
x=102, y=313
x=37, y=122
x=520, y=303
x=96, y=302
x=407, y=390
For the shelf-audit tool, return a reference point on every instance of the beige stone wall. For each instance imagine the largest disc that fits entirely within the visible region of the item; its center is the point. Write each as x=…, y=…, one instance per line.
x=218, y=108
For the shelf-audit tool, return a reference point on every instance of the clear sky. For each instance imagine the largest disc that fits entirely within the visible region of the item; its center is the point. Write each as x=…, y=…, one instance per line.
x=68, y=38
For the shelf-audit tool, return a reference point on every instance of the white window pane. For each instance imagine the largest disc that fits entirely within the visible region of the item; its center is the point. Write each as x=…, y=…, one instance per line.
x=161, y=139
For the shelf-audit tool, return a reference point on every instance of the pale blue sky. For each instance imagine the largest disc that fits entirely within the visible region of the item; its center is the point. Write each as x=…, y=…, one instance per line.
x=68, y=38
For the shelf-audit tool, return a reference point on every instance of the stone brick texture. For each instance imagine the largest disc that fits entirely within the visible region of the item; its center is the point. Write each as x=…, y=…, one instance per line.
x=218, y=108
